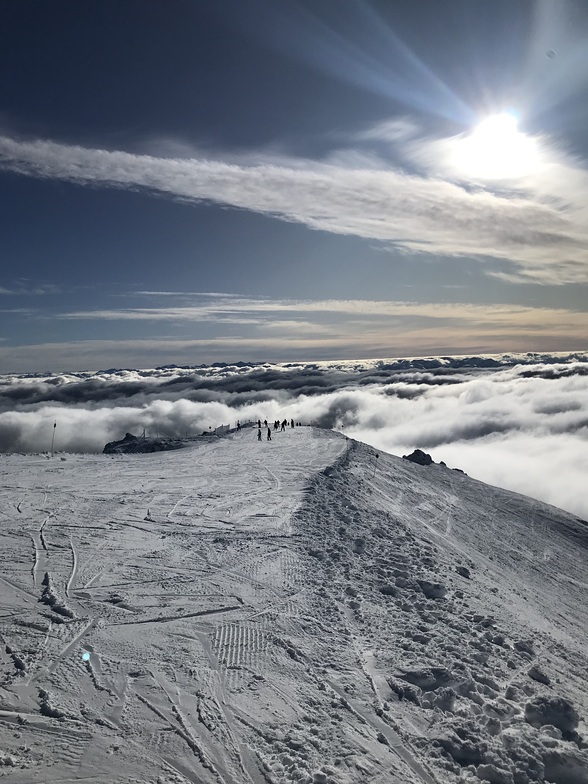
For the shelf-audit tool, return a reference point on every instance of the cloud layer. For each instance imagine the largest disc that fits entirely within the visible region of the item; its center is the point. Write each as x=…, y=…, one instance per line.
x=517, y=422
x=537, y=222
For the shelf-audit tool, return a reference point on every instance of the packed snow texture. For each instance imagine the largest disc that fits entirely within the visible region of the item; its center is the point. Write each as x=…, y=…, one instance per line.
x=303, y=609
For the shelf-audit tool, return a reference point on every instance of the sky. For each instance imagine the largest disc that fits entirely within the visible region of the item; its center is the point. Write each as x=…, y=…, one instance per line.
x=306, y=180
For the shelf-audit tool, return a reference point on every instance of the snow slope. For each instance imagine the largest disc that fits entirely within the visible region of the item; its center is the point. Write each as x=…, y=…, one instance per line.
x=299, y=610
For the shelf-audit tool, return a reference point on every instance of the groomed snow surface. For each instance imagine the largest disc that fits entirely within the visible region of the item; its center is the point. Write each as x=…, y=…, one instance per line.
x=300, y=610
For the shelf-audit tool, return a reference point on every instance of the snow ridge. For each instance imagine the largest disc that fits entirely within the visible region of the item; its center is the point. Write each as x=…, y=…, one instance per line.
x=300, y=610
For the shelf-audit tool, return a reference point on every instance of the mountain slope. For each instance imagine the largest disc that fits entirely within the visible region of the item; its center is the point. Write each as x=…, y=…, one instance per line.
x=294, y=610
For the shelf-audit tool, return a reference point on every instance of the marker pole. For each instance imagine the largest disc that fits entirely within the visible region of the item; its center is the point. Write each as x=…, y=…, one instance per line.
x=375, y=464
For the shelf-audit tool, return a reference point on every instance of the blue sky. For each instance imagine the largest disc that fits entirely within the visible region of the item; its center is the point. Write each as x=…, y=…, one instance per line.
x=198, y=181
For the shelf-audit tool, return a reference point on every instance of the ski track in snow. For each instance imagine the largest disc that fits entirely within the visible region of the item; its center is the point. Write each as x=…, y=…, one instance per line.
x=244, y=612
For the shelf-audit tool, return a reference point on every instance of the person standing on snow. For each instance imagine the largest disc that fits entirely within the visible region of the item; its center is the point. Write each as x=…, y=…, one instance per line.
x=269, y=434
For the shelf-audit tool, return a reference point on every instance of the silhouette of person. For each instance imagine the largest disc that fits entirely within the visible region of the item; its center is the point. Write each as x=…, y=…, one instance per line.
x=269, y=434
x=259, y=435
x=291, y=423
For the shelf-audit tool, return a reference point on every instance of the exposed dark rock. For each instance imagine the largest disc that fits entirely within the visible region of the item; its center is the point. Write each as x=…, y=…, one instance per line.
x=419, y=457
x=131, y=444
x=120, y=446
x=422, y=458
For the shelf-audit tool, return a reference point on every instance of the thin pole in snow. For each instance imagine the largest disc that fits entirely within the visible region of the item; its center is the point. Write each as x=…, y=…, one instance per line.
x=53, y=437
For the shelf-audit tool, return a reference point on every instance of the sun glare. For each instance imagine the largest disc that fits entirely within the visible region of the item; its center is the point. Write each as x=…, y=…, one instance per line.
x=496, y=149
x=497, y=126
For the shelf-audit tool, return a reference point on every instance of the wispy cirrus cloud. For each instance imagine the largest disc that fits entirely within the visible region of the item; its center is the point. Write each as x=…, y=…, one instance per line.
x=434, y=212
x=184, y=294
x=243, y=308
x=28, y=288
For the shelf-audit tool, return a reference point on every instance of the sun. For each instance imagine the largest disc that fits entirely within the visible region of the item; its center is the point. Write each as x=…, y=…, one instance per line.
x=497, y=128
x=496, y=149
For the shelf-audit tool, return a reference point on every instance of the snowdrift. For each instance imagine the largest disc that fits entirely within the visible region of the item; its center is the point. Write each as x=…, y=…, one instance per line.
x=297, y=610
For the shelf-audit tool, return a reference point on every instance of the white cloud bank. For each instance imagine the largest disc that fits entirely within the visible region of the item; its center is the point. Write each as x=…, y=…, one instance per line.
x=527, y=222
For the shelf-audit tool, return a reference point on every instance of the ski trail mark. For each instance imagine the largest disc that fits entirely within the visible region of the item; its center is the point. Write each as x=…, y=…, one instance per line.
x=74, y=567
x=35, y=568
x=27, y=595
x=64, y=652
x=175, y=506
x=239, y=644
x=276, y=480
x=43, y=524
x=247, y=761
x=451, y=500
x=180, y=726
x=170, y=618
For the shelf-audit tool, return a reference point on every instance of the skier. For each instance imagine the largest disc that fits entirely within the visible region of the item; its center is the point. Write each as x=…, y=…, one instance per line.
x=269, y=434
x=259, y=434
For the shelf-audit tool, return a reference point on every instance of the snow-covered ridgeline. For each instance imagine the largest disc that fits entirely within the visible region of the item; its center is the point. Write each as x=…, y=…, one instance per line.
x=304, y=609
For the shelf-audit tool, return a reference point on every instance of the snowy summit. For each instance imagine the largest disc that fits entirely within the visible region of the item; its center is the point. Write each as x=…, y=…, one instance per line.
x=304, y=609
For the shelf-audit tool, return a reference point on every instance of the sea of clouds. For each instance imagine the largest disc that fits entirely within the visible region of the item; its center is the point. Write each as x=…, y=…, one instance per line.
x=519, y=422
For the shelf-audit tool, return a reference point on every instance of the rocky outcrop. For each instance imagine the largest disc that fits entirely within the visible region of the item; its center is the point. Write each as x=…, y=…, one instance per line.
x=422, y=458
x=419, y=457
x=131, y=444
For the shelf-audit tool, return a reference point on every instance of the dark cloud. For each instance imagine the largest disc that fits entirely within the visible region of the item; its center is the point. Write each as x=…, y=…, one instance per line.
x=341, y=412
x=556, y=406
x=85, y=391
x=555, y=372
x=468, y=431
